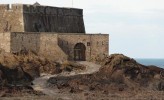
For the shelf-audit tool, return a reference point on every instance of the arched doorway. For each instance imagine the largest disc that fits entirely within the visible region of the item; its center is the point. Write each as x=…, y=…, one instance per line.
x=79, y=52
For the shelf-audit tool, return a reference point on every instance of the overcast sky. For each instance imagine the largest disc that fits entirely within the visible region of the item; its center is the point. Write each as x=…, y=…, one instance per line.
x=136, y=27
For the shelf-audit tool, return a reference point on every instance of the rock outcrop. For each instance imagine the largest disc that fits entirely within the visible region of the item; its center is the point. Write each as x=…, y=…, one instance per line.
x=21, y=69
x=118, y=73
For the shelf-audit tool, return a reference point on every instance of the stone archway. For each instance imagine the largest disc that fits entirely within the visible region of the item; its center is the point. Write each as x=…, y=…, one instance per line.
x=79, y=52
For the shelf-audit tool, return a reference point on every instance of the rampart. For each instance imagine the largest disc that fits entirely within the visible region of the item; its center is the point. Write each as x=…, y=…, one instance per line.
x=41, y=43
x=31, y=18
x=55, y=45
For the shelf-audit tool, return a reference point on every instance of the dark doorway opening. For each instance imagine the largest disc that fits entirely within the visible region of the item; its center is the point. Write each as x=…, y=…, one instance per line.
x=79, y=52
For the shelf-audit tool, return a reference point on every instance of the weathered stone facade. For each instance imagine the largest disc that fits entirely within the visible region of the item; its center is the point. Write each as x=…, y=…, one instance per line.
x=11, y=20
x=5, y=41
x=50, y=31
x=30, y=18
x=95, y=44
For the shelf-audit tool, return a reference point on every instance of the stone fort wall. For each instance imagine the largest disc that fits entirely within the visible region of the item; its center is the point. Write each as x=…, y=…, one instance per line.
x=49, y=31
x=54, y=45
x=45, y=44
x=53, y=19
x=95, y=44
x=30, y=18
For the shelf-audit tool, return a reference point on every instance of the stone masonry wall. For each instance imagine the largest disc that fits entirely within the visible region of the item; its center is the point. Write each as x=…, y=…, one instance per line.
x=95, y=44
x=53, y=19
x=30, y=18
x=99, y=44
x=25, y=41
x=5, y=41
x=42, y=43
x=49, y=47
x=30, y=28
x=11, y=19
x=55, y=46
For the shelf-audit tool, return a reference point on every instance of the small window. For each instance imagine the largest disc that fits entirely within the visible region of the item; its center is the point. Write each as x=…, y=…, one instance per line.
x=88, y=43
x=102, y=43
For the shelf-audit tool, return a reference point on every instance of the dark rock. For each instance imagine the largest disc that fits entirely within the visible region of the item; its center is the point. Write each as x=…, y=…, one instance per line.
x=160, y=86
x=119, y=73
x=70, y=66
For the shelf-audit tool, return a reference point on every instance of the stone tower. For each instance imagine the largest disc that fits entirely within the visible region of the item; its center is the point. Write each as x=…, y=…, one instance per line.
x=37, y=18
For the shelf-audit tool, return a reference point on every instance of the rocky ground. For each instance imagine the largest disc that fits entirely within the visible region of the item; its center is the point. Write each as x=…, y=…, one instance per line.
x=17, y=71
x=40, y=84
x=120, y=77
x=113, y=77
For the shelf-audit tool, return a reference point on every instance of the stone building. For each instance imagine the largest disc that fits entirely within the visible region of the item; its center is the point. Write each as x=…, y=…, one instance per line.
x=50, y=31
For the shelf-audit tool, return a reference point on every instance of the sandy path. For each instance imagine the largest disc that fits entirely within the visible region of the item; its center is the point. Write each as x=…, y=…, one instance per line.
x=40, y=84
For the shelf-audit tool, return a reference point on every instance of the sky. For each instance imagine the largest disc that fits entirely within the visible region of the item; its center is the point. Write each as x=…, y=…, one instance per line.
x=135, y=27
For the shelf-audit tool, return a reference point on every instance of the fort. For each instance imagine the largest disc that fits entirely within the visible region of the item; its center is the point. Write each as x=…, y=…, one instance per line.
x=50, y=31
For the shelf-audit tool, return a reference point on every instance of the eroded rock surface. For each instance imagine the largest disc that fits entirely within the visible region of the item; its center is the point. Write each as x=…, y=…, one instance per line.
x=17, y=71
x=118, y=73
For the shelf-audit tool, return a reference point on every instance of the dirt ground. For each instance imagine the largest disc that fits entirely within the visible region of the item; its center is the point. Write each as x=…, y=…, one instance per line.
x=137, y=95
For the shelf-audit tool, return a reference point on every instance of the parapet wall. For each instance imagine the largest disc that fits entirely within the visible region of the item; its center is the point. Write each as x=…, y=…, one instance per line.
x=4, y=7
x=48, y=10
x=42, y=9
x=12, y=7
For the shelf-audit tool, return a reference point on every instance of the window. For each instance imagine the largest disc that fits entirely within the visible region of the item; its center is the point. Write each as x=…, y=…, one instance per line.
x=88, y=43
x=102, y=43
